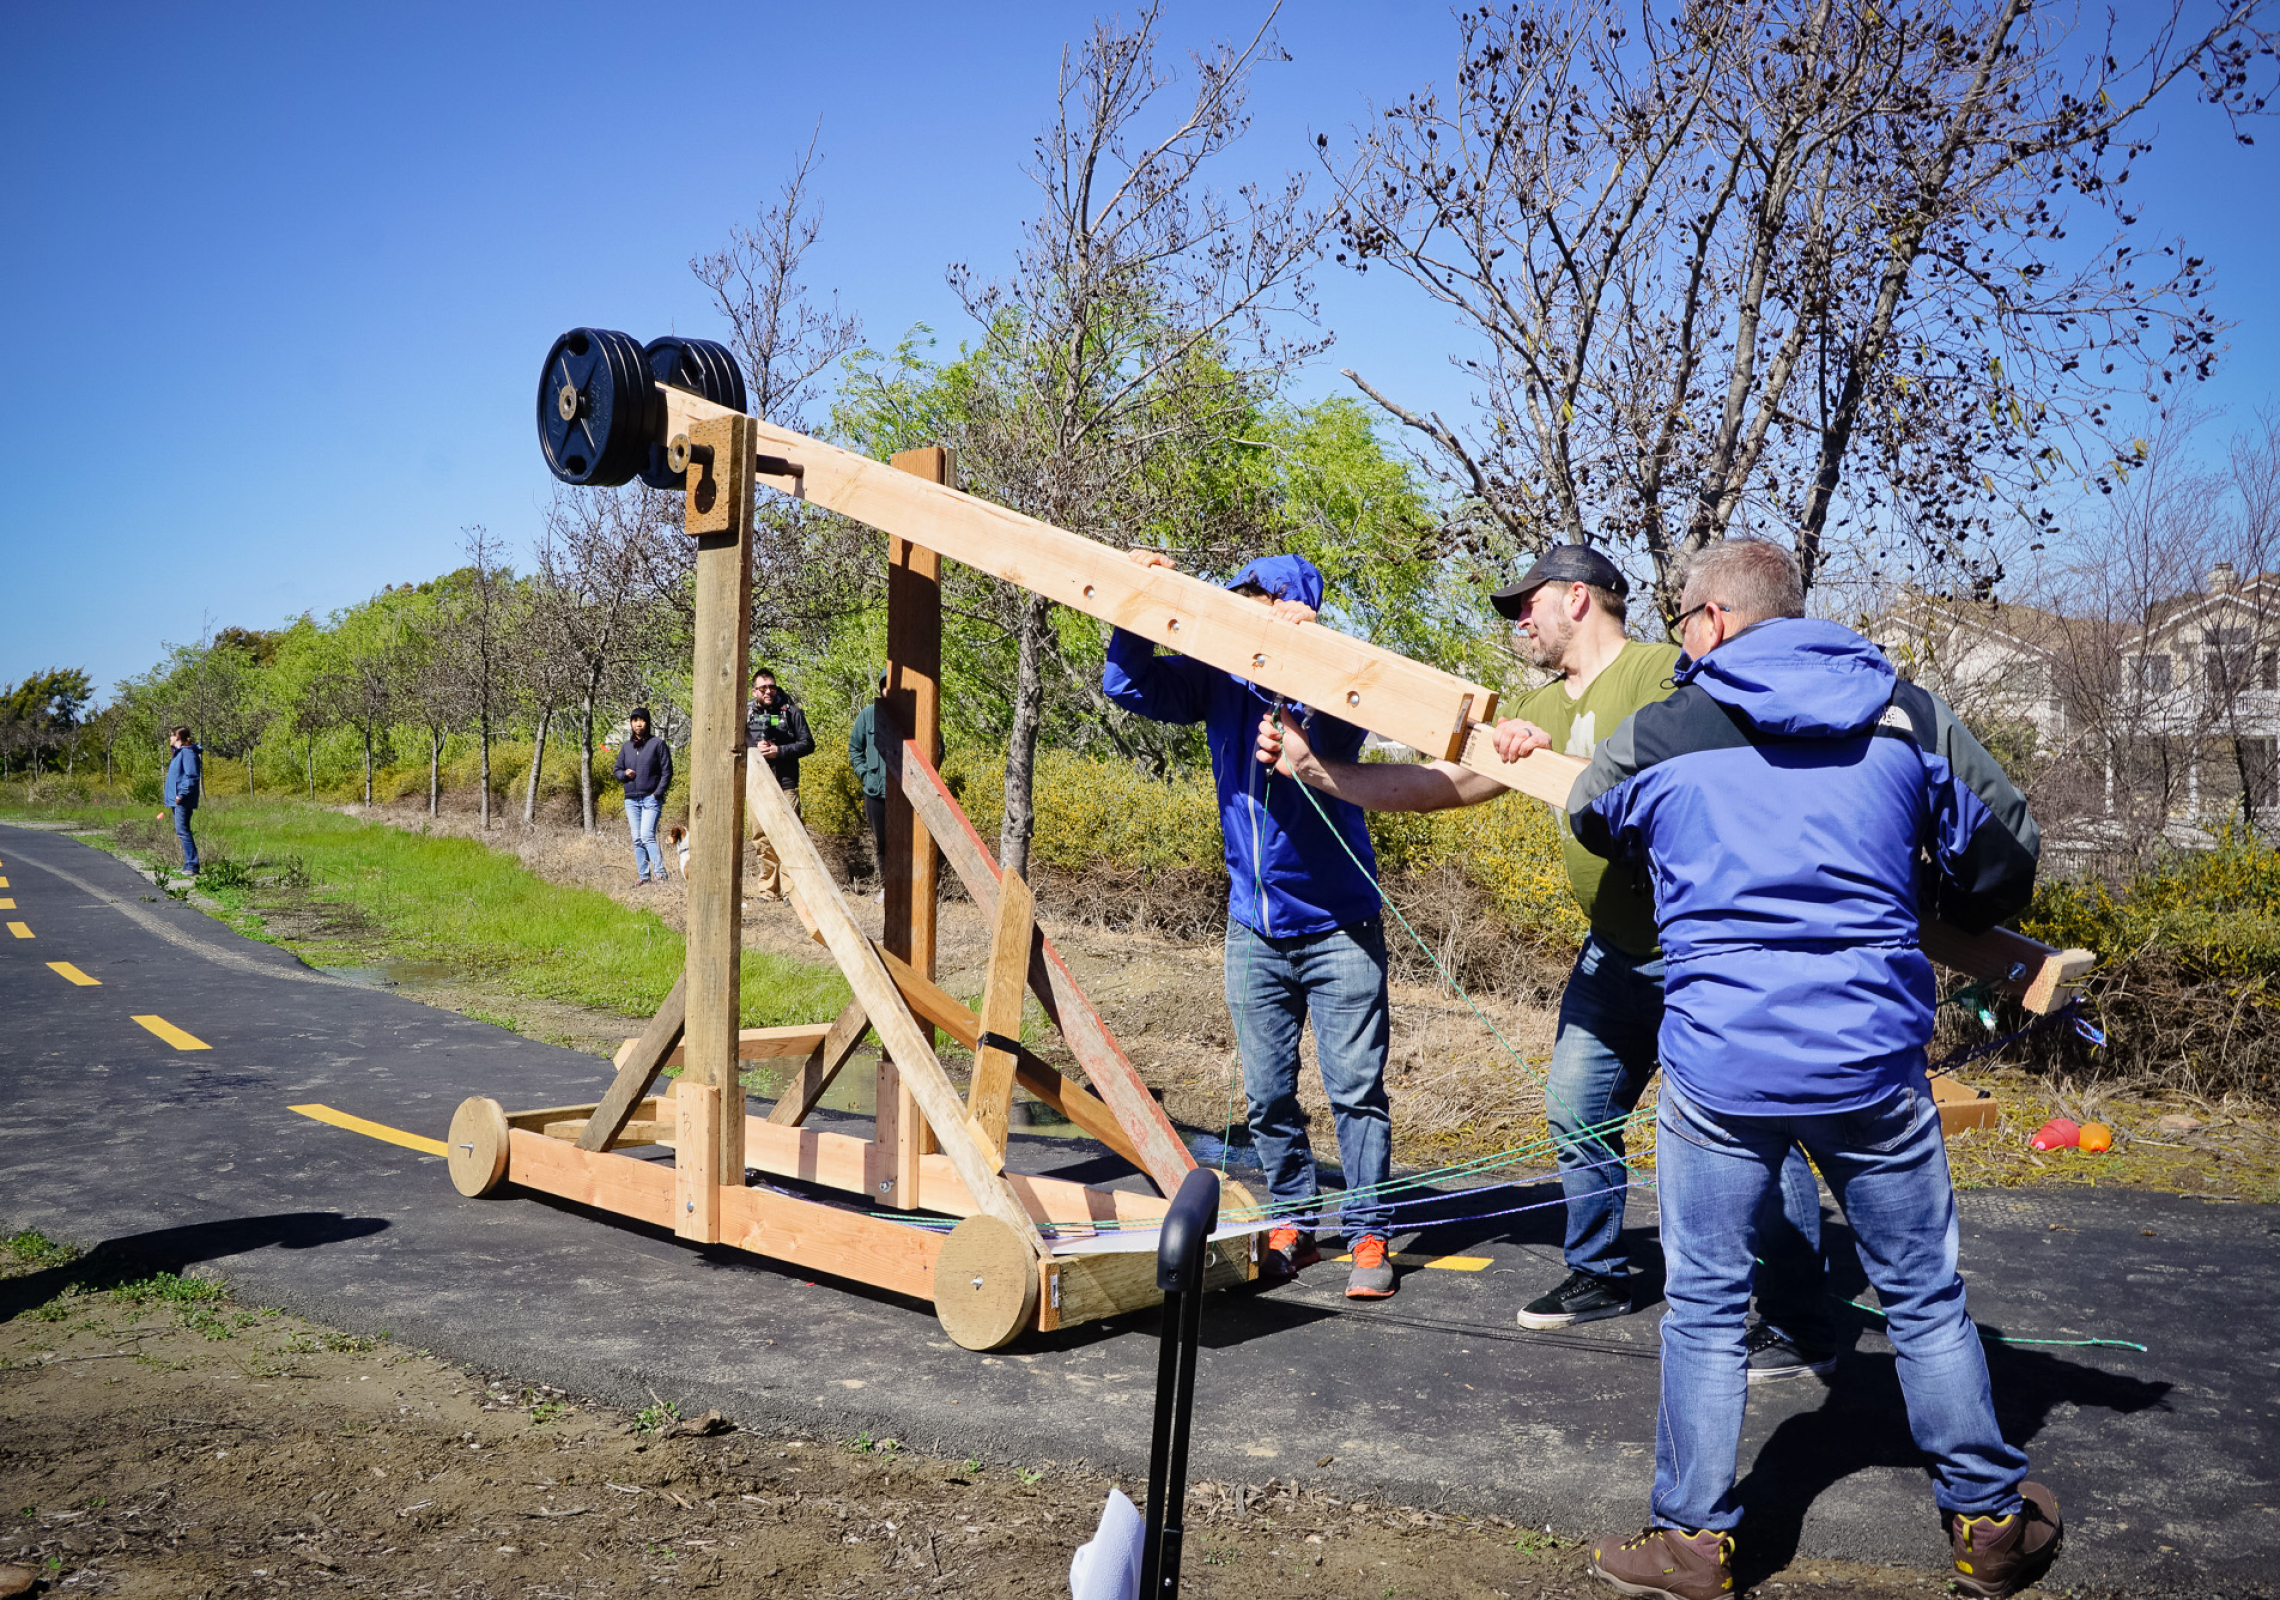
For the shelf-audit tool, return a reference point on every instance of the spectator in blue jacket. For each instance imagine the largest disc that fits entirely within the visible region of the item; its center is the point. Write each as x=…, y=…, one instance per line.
x=184, y=775
x=1780, y=802
x=1304, y=935
x=645, y=767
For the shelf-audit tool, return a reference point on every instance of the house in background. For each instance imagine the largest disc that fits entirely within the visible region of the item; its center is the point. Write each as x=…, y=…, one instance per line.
x=2125, y=729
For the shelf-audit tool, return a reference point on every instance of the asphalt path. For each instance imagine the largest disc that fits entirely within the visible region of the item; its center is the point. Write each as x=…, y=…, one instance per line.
x=114, y=1135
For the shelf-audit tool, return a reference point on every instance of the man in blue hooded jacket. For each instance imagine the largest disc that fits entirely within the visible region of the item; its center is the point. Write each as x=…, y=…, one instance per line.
x=1304, y=935
x=1798, y=810
x=181, y=792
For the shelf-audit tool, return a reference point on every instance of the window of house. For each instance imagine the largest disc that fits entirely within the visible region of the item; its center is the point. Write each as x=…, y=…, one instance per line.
x=2227, y=659
x=2157, y=673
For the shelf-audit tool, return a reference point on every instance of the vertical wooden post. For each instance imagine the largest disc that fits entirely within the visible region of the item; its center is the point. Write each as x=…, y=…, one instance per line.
x=914, y=695
x=720, y=518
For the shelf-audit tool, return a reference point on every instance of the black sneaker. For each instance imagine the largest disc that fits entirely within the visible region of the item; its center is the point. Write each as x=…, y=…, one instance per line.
x=1770, y=1355
x=1584, y=1297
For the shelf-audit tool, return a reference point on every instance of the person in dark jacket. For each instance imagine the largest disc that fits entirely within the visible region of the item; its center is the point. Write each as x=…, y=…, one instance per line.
x=871, y=772
x=1304, y=935
x=776, y=730
x=185, y=776
x=645, y=767
x=1780, y=803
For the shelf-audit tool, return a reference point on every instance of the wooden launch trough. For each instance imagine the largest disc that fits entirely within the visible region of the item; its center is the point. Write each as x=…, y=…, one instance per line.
x=1020, y=1257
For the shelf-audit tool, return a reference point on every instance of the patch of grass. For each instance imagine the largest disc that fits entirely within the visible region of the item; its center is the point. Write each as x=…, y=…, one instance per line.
x=38, y=1252
x=197, y=1302
x=463, y=905
x=657, y=1418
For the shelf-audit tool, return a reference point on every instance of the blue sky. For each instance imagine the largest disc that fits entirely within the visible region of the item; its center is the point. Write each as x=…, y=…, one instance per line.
x=290, y=271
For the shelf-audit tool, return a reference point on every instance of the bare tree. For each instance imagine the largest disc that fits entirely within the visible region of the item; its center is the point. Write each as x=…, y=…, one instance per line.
x=594, y=600
x=1111, y=349
x=811, y=569
x=1791, y=265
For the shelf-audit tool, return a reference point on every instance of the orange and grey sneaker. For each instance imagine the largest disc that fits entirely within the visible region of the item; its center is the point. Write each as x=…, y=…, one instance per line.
x=1290, y=1251
x=1372, y=1277
x=1669, y=1562
x=2002, y=1555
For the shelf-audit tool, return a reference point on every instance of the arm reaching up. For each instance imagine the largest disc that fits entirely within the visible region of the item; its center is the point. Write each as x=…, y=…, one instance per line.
x=1393, y=785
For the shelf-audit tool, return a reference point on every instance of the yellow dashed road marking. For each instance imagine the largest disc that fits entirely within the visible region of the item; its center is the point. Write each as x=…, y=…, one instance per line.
x=75, y=975
x=372, y=1130
x=173, y=1035
x=3, y=883
x=7, y=905
x=1445, y=1263
x=22, y=930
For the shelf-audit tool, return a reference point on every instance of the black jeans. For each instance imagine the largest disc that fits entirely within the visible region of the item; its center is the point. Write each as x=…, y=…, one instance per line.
x=875, y=813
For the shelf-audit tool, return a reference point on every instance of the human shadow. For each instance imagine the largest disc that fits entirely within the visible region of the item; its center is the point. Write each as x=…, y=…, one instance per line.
x=141, y=1255
x=1864, y=1423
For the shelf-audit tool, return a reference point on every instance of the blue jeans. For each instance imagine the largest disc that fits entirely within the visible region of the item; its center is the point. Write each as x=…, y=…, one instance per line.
x=1338, y=979
x=1887, y=1166
x=1602, y=1060
x=182, y=816
x=641, y=817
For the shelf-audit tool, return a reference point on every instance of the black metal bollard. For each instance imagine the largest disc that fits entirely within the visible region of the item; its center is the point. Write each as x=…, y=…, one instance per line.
x=1180, y=1258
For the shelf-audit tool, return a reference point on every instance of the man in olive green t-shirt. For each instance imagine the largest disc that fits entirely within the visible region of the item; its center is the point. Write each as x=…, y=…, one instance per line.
x=1569, y=615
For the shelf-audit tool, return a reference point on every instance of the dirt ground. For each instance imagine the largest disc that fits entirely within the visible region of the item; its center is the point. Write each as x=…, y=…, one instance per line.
x=158, y=1439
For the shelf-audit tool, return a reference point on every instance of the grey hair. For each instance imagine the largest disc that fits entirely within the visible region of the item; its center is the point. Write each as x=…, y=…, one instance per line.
x=1752, y=578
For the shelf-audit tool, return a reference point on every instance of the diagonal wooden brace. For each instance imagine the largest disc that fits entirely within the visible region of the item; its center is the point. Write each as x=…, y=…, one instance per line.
x=847, y=1033
x=1156, y=1147
x=989, y=1099
x=638, y=1066
x=978, y=1166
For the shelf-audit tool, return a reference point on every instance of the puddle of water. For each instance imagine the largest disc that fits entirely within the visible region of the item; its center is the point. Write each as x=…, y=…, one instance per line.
x=394, y=975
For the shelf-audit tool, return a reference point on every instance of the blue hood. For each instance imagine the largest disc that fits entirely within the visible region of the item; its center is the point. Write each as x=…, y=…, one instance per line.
x=1796, y=678
x=1284, y=577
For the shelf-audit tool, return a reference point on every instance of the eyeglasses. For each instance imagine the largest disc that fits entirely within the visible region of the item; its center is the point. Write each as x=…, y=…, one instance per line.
x=1691, y=612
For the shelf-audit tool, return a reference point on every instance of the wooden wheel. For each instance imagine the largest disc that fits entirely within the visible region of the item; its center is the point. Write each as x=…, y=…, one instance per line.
x=477, y=1152
x=985, y=1284
x=1234, y=1197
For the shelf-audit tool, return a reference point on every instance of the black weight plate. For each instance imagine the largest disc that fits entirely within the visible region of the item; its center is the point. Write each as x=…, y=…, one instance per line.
x=701, y=367
x=613, y=407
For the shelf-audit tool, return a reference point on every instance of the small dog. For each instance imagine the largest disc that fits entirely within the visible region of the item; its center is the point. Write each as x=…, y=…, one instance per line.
x=678, y=837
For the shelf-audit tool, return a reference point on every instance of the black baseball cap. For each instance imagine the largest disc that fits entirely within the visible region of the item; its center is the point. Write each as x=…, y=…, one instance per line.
x=1562, y=563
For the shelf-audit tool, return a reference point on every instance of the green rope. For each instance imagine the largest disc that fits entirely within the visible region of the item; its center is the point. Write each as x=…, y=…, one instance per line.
x=1992, y=1336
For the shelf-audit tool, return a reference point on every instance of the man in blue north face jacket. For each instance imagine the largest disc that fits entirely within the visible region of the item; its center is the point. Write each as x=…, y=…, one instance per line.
x=1797, y=810
x=1304, y=935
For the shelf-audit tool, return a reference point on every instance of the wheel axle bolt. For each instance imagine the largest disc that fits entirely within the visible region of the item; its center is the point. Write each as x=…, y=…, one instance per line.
x=566, y=402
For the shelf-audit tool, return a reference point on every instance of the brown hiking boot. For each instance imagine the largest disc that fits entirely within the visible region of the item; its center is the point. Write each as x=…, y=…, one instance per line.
x=1668, y=1562
x=2002, y=1555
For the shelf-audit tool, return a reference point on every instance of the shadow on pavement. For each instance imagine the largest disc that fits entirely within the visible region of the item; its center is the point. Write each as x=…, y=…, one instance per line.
x=1864, y=1424
x=139, y=1255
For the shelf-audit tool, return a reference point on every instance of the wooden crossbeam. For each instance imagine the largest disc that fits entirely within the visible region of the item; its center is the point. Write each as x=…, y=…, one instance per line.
x=977, y=1164
x=1155, y=1146
x=2039, y=976
x=759, y=1044
x=1422, y=707
x=638, y=1066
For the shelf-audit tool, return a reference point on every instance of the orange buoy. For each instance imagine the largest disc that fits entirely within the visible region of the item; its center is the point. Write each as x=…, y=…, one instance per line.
x=2057, y=1134
x=2095, y=1136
